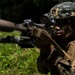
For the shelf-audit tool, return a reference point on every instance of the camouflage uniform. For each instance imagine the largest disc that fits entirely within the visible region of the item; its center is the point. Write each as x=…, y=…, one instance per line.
x=49, y=59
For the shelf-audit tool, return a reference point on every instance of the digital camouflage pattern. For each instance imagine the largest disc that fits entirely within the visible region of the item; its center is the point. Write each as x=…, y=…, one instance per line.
x=63, y=10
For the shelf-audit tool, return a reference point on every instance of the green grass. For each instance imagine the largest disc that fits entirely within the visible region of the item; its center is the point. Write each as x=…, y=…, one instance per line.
x=17, y=61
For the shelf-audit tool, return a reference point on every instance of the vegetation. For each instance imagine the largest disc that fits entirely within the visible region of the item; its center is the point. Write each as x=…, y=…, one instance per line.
x=17, y=61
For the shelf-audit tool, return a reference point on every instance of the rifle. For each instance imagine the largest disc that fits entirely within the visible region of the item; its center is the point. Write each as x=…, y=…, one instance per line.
x=26, y=39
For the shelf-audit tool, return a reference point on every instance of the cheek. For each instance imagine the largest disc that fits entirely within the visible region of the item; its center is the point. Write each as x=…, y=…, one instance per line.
x=65, y=29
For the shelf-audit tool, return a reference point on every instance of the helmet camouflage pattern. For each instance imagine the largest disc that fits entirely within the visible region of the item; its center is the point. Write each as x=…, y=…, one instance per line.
x=63, y=10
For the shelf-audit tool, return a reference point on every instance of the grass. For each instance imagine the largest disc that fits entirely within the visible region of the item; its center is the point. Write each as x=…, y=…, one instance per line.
x=17, y=61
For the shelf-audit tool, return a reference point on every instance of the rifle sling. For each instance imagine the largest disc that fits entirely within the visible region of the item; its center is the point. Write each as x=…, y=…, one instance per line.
x=42, y=34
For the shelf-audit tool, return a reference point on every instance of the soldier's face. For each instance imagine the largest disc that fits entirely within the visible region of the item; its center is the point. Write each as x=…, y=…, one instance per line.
x=61, y=31
x=61, y=27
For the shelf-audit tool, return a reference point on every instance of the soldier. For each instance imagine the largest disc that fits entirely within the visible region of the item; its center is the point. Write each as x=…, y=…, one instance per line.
x=49, y=59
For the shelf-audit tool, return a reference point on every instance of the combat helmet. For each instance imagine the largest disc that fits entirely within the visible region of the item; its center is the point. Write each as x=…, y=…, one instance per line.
x=63, y=10
x=63, y=14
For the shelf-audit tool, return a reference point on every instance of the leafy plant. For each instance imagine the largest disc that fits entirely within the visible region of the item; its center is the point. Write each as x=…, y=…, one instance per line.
x=17, y=61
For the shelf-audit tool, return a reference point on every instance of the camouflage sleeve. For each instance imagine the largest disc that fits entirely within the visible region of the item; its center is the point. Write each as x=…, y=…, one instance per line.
x=71, y=49
x=64, y=65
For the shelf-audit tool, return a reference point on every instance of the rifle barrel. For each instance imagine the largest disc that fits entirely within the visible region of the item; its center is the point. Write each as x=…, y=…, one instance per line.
x=8, y=26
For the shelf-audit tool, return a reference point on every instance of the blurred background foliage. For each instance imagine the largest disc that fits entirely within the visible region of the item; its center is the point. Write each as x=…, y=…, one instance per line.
x=13, y=59
x=18, y=10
